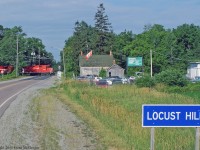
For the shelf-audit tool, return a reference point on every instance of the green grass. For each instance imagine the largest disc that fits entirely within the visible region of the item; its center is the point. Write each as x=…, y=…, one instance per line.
x=8, y=76
x=191, y=90
x=193, y=94
x=119, y=110
x=42, y=111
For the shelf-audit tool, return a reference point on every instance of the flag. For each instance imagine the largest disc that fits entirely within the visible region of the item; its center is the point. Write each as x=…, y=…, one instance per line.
x=88, y=55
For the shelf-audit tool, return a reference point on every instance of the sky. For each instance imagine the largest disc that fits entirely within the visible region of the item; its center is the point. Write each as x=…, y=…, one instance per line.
x=53, y=21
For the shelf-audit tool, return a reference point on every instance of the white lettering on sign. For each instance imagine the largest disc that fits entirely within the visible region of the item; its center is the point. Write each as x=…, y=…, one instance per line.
x=163, y=116
x=192, y=116
x=132, y=60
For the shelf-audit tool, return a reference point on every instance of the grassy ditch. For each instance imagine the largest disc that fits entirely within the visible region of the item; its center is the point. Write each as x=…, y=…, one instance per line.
x=43, y=112
x=57, y=127
x=115, y=114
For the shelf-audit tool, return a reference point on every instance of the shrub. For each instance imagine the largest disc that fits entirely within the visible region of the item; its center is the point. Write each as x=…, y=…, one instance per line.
x=145, y=81
x=102, y=73
x=171, y=77
x=193, y=87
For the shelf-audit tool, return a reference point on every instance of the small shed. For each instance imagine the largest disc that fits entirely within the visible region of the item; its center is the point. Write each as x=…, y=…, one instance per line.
x=115, y=70
x=193, y=70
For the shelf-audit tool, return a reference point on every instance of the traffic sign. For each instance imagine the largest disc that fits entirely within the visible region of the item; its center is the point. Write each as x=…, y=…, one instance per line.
x=163, y=115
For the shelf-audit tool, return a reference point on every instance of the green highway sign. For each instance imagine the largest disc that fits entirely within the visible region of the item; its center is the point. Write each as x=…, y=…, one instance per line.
x=134, y=61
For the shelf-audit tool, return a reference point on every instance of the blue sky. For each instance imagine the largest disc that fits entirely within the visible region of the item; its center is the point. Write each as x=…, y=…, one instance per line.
x=53, y=20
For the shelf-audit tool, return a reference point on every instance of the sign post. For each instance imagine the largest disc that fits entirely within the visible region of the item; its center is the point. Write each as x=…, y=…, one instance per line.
x=166, y=115
x=152, y=138
x=197, y=139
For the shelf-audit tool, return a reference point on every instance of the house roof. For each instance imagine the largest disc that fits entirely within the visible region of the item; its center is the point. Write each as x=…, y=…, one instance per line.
x=115, y=66
x=96, y=61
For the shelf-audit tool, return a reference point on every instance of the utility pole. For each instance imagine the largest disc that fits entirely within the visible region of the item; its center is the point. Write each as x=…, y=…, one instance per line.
x=151, y=63
x=39, y=56
x=17, y=59
x=87, y=47
x=63, y=64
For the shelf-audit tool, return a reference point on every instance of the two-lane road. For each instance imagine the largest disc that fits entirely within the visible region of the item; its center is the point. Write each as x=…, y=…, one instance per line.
x=10, y=89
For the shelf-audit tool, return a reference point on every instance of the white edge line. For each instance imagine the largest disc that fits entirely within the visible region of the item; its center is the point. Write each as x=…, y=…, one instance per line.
x=17, y=94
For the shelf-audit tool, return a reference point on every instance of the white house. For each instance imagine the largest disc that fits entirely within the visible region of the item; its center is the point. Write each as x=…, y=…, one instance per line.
x=95, y=63
x=193, y=70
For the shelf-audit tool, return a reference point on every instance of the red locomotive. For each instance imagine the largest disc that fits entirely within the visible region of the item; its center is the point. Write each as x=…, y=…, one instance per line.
x=6, y=69
x=37, y=70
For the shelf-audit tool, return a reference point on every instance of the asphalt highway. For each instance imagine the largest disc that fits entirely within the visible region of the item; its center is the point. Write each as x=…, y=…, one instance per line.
x=9, y=90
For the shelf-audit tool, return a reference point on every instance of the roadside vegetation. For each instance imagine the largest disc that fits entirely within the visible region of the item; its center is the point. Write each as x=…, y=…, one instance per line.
x=115, y=114
x=8, y=76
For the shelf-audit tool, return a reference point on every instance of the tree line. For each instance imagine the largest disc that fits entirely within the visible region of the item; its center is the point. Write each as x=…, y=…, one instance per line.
x=172, y=48
x=30, y=50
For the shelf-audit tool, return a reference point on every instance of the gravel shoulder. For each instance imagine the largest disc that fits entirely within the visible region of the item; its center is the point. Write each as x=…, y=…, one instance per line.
x=37, y=121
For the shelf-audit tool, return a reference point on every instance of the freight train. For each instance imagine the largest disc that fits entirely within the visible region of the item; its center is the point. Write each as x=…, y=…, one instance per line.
x=6, y=69
x=37, y=70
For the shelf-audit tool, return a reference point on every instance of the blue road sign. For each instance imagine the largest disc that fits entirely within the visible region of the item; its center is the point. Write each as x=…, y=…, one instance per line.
x=170, y=115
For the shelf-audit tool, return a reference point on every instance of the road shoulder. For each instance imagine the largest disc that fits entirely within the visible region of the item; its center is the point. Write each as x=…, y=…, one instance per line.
x=35, y=120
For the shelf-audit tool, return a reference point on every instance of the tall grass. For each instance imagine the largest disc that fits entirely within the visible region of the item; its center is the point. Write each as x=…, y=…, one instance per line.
x=119, y=110
x=43, y=110
x=8, y=76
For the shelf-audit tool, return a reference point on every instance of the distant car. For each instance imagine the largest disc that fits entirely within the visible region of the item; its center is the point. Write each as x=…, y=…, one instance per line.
x=124, y=80
x=96, y=79
x=116, y=81
x=139, y=74
x=102, y=83
x=131, y=79
x=81, y=78
x=115, y=77
x=109, y=80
